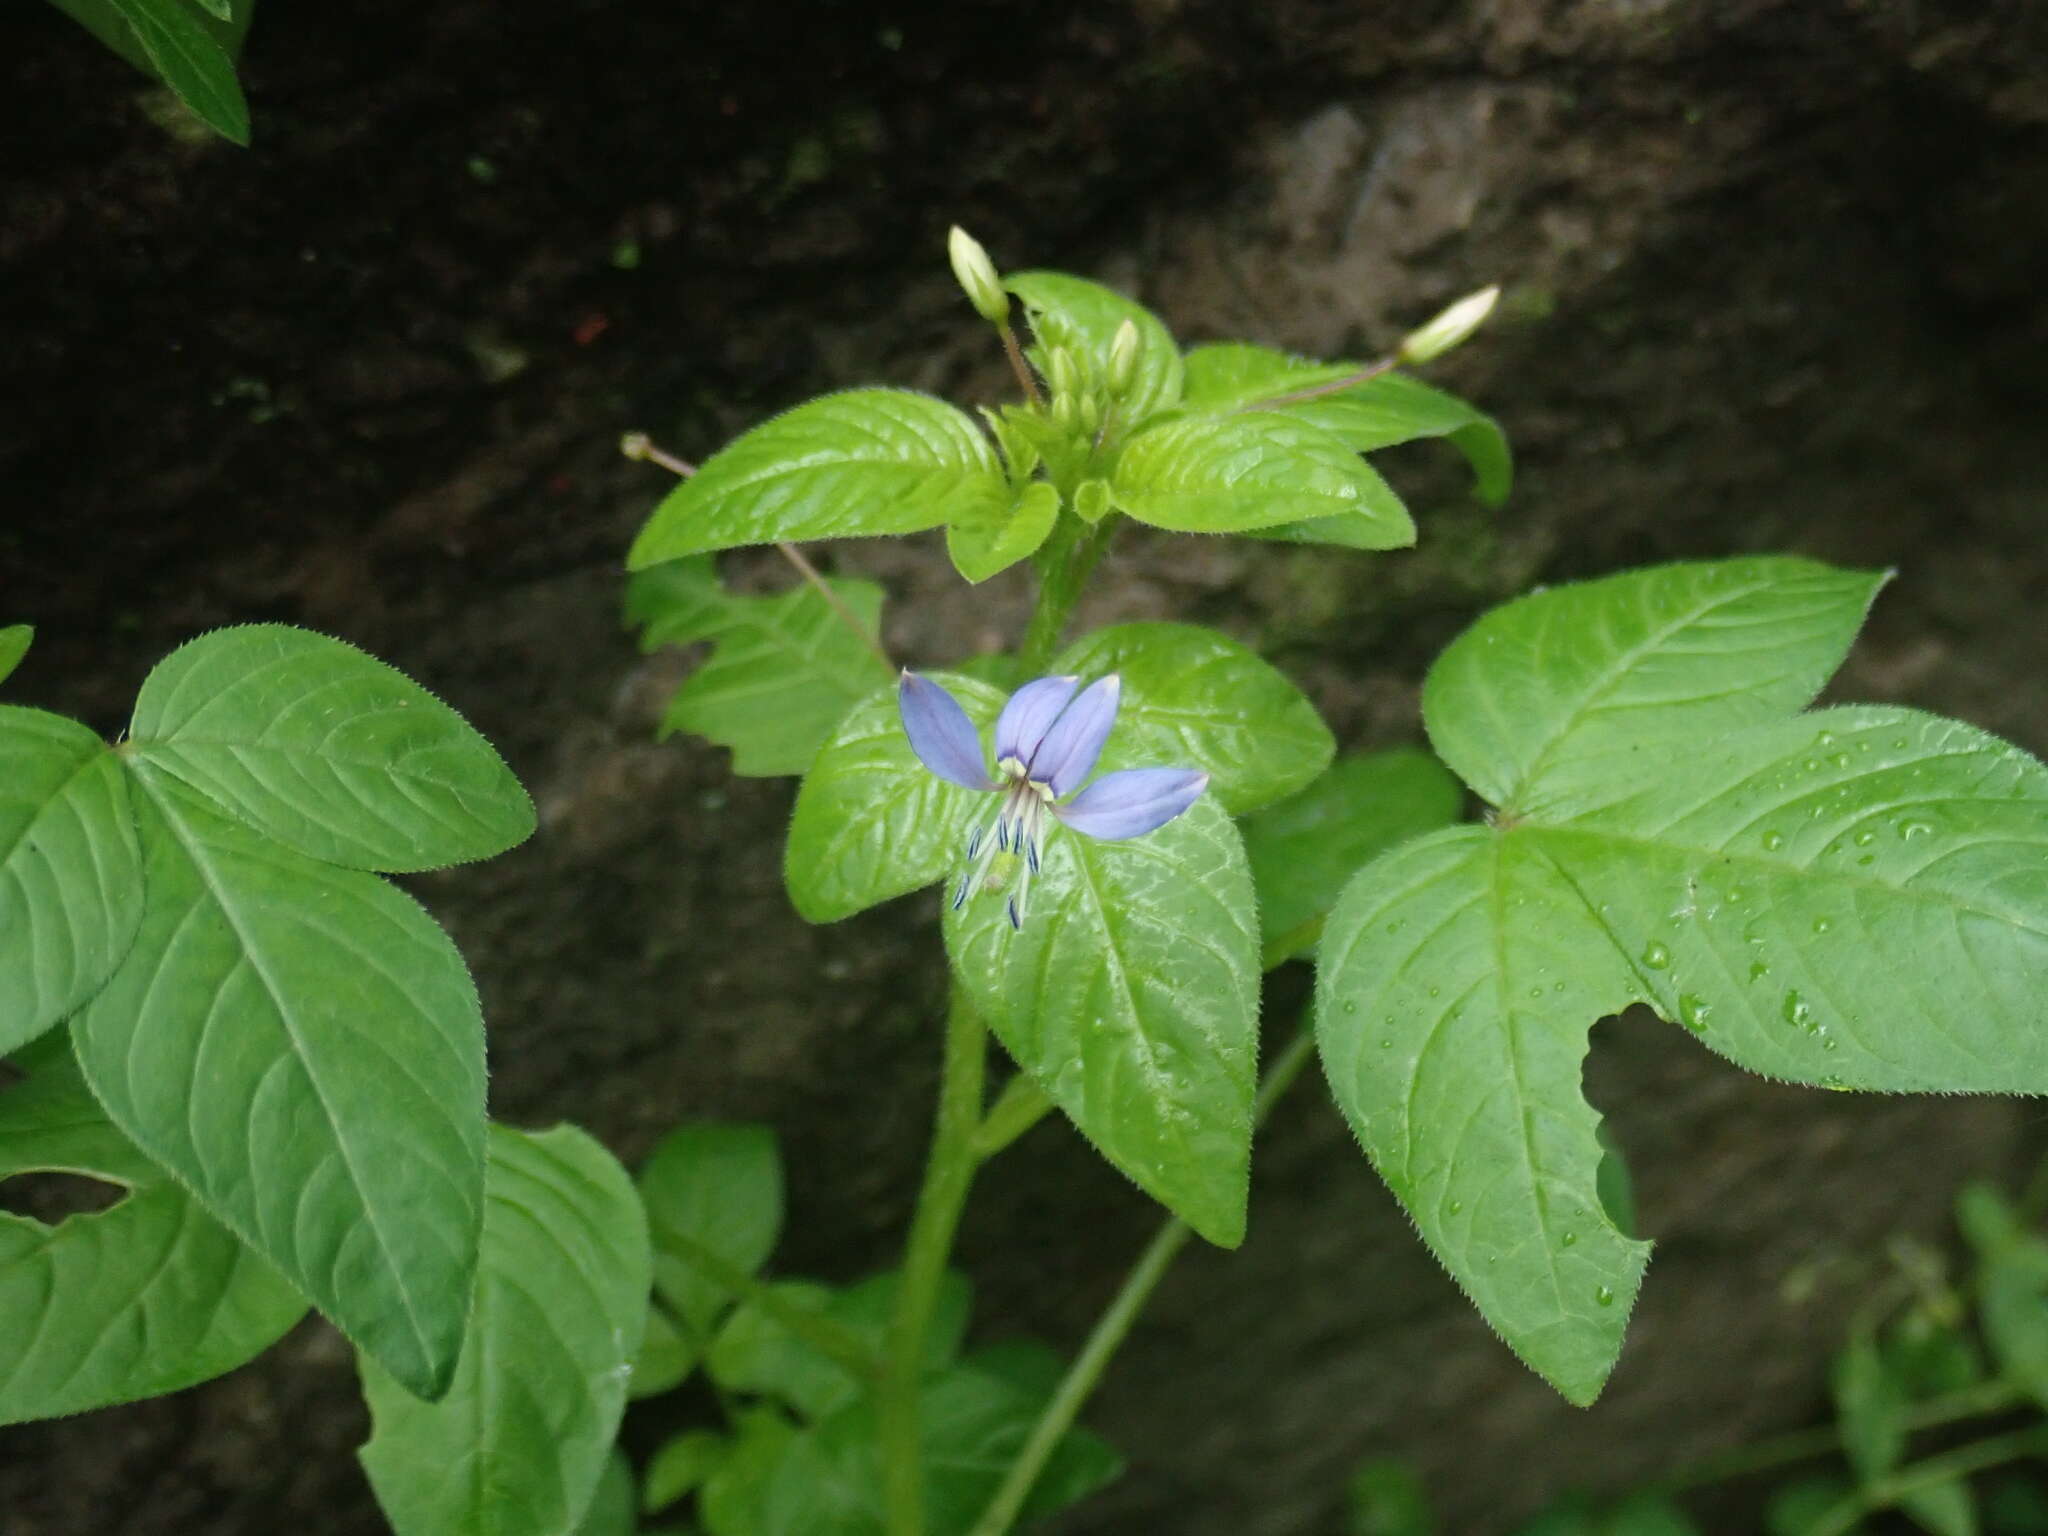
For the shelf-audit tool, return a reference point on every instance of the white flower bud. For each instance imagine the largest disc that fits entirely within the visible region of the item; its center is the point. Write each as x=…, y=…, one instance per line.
x=1451, y=327
x=977, y=276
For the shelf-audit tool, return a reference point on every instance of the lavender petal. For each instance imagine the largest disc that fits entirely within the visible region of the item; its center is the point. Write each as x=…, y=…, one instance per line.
x=1133, y=802
x=1067, y=754
x=1032, y=708
x=940, y=733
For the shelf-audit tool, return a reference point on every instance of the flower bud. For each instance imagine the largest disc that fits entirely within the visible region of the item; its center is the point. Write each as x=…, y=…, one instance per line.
x=1062, y=373
x=1123, y=357
x=1451, y=327
x=976, y=275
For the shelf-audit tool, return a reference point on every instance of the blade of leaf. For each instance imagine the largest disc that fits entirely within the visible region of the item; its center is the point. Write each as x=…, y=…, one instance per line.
x=327, y=750
x=980, y=549
x=148, y=1296
x=1305, y=850
x=1194, y=698
x=870, y=821
x=1387, y=409
x=973, y=1420
x=1750, y=884
x=14, y=643
x=1131, y=995
x=1084, y=317
x=719, y=1187
x=1231, y=474
x=1458, y=979
x=1384, y=522
x=191, y=63
x=70, y=870
x=519, y=1443
x=783, y=670
x=851, y=465
x=333, y=1033
x=1548, y=703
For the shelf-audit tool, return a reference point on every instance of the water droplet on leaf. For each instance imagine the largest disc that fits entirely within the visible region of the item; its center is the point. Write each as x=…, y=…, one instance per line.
x=1657, y=957
x=1604, y=1296
x=1773, y=840
x=1693, y=1011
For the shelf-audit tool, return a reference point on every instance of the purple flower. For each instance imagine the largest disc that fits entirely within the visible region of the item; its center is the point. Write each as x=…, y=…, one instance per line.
x=1047, y=740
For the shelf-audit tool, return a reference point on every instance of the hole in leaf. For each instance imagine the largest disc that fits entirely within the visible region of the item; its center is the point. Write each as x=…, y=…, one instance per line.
x=49, y=1197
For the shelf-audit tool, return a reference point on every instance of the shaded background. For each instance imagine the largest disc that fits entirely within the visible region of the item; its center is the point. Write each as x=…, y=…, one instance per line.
x=1775, y=284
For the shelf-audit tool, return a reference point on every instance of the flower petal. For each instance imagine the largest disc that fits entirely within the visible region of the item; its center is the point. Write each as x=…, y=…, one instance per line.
x=1132, y=802
x=1022, y=724
x=1067, y=754
x=940, y=733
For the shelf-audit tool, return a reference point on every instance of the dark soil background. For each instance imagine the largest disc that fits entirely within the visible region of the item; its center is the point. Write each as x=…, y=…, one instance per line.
x=1775, y=273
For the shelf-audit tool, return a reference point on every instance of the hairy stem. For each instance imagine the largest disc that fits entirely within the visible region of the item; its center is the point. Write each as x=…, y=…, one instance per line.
x=1114, y=1325
x=1364, y=375
x=1064, y=565
x=637, y=445
x=1018, y=366
x=1020, y=1106
x=948, y=1174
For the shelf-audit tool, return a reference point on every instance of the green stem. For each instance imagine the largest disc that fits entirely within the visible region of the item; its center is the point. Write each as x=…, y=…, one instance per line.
x=1806, y=1444
x=1020, y=1106
x=1931, y=1472
x=1114, y=1325
x=1064, y=565
x=949, y=1172
x=840, y=1345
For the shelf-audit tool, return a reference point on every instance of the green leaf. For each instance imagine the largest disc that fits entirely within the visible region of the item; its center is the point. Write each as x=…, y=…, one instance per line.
x=191, y=63
x=1799, y=1507
x=2012, y=1288
x=1549, y=705
x=730, y=1504
x=14, y=644
x=1386, y=1498
x=870, y=821
x=1458, y=977
x=327, y=750
x=1381, y=523
x=1303, y=850
x=754, y=1353
x=1084, y=317
x=611, y=1511
x=715, y=1187
x=667, y=1355
x=220, y=10
x=1388, y=409
x=1753, y=883
x=1130, y=994
x=981, y=548
x=868, y=461
x=973, y=1421
x=679, y=1466
x=332, y=1035
x=70, y=870
x=1194, y=698
x=145, y=1297
x=782, y=672
x=1870, y=1407
x=1943, y=1509
x=521, y=1440
x=1648, y=1514
x=1671, y=834
x=1229, y=474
